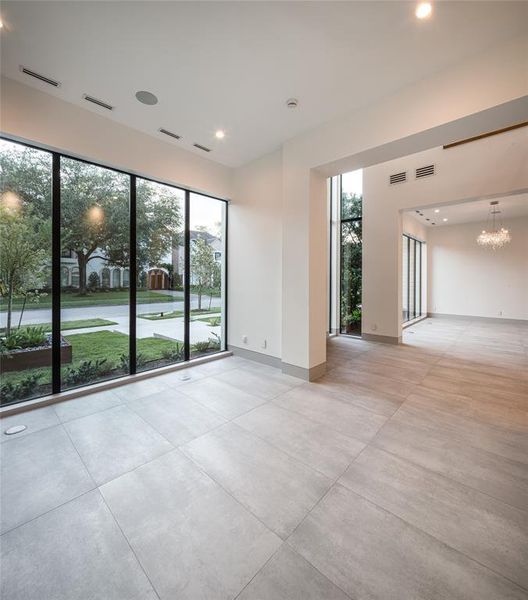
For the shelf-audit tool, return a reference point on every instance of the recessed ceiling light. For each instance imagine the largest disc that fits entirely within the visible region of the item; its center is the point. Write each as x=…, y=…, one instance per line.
x=444, y=220
x=220, y=134
x=1, y=24
x=423, y=10
x=292, y=103
x=437, y=210
x=146, y=98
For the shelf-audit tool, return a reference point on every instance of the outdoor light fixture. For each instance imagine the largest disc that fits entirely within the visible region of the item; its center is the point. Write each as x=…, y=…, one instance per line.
x=423, y=10
x=494, y=236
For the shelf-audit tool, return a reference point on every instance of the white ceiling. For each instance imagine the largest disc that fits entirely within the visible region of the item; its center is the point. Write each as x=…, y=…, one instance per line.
x=511, y=207
x=233, y=65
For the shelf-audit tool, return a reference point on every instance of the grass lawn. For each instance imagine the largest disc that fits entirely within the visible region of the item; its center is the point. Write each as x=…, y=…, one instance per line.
x=110, y=298
x=97, y=345
x=214, y=321
x=176, y=313
x=66, y=325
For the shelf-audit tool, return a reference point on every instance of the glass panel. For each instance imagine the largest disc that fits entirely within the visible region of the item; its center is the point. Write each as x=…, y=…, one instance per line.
x=207, y=274
x=405, y=278
x=94, y=240
x=25, y=272
x=351, y=250
x=418, y=280
x=160, y=262
x=412, y=273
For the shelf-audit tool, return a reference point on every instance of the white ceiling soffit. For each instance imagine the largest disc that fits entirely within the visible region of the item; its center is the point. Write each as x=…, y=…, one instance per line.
x=233, y=65
x=511, y=207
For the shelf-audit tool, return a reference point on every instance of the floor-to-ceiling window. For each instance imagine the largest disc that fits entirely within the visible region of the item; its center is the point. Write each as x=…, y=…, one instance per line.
x=413, y=264
x=72, y=234
x=351, y=252
x=160, y=330
x=25, y=272
x=207, y=274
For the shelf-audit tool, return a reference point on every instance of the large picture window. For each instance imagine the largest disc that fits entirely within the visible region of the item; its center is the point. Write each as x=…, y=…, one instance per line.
x=413, y=264
x=102, y=273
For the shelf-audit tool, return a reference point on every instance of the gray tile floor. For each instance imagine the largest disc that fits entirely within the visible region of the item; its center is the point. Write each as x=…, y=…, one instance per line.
x=401, y=474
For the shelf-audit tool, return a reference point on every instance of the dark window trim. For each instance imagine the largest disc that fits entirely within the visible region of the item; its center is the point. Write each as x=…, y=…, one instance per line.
x=56, y=252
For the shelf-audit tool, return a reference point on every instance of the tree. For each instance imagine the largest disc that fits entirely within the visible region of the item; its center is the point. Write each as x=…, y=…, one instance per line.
x=202, y=265
x=22, y=259
x=351, y=252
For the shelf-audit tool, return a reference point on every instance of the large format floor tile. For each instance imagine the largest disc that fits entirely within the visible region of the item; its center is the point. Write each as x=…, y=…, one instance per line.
x=323, y=408
x=86, y=405
x=372, y=554
x=221, y=397
x=115, y=441
x=321, y=448
x=177, y=417
x=434, y=448
x=287, y=576
x=485, y=529
x=34, y=420
x=260, y=382
x=39, y=472
x=278, y=489
x=74, y=552
x=193, y=540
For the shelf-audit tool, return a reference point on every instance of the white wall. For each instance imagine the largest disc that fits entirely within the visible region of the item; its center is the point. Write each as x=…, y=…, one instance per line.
x=255, y=256
x=450, y=105
x=466, y=279
x=34, y=116
x=413, y=227
x=494, y=165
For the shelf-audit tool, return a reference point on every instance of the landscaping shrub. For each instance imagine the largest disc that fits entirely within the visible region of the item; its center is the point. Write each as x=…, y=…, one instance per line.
x=201, y=346
x=94, y=281
x=124, y=361
x=175, y=353
x=29, y=337
x=87, y=370
x=11, y=392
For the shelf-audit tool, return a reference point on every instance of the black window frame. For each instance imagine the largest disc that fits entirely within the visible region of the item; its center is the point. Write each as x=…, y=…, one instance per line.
x=57, y=252
x=409, y=241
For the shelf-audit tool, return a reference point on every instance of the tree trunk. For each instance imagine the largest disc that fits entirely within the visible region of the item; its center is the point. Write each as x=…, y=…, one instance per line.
x=82, y=261
x=9, y=306
x=199, y=297
x=22, y=311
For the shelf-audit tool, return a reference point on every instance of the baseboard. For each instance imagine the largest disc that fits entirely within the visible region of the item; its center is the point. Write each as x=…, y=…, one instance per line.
x=265, y=359
x=474, y=318
x=301, y=373
x=274, y=361
x=384, y=339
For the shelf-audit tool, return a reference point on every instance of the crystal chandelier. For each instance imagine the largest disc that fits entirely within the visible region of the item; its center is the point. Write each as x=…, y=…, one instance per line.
x=494, y=236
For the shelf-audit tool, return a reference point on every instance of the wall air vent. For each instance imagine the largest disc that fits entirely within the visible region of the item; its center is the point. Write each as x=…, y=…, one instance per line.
x=425, y=171
x=38, y=76
x=169, y=133
x=199, y=146
x=98, y=102
x=398, y=178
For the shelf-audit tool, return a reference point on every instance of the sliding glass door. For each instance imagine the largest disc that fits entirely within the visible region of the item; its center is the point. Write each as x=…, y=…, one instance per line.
x=102, y=273
x=413, y=263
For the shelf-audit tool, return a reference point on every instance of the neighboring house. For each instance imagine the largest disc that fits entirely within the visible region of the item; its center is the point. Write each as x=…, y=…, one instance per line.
x=158, y=278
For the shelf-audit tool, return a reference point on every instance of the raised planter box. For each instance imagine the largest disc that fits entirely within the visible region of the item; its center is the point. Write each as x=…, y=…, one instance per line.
x=33, y=358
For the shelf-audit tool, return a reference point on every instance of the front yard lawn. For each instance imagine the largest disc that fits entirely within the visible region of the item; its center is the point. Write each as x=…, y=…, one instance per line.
x=78, y=324
x=99, y=298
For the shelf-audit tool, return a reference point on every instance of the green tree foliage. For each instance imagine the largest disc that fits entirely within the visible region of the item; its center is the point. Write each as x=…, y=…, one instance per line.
x=202, y=266
x=351, y=253
x=22, y=259
x=94, y=208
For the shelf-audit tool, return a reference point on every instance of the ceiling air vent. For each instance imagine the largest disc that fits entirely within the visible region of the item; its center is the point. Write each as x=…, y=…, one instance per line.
x=40, y=77
x=398, y=178
x=169, y=133
x=98, y=102
x=425, y=171
x=202, y=147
